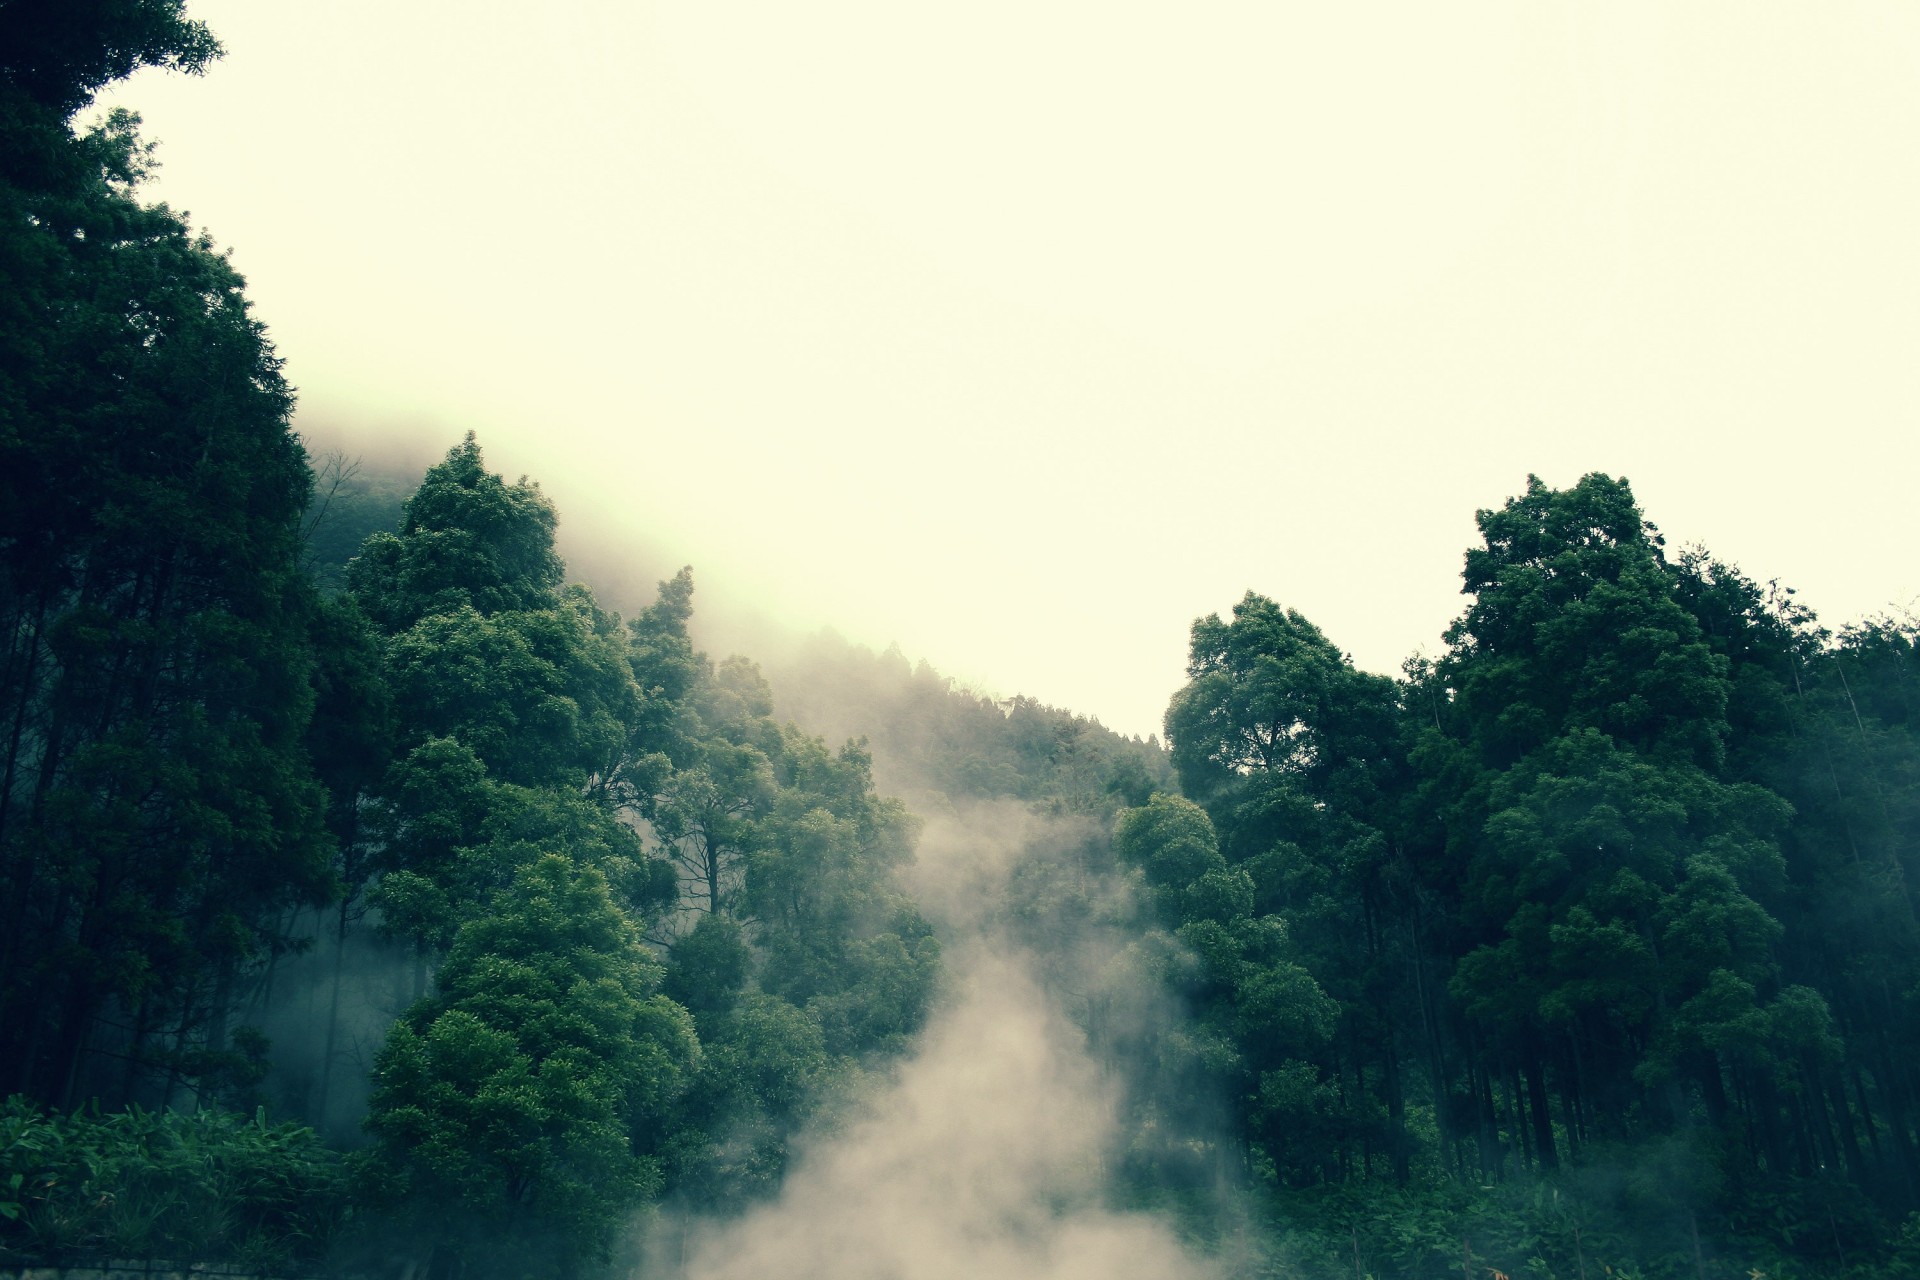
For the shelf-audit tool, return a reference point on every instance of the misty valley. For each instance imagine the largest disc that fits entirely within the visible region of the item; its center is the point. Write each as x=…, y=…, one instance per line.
x=387, y=899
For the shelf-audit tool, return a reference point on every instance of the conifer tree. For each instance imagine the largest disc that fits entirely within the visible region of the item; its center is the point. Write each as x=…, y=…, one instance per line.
x=158, y=818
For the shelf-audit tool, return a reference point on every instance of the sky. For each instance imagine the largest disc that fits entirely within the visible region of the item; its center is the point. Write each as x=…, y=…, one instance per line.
x=1022, y=334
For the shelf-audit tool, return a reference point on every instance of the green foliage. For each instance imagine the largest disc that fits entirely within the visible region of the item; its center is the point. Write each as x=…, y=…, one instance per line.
x=210, y=1187
x=1609, y=907
x=764, y=1069
x=158, y=818
x=468, y=540
x=709, y=965
x=509, y=1104
x=1577, y=624
x=1260, y=1018
x=1622, y=1221
x=840, y=938
x=518, y=722
x=1172, y=841
x=1269, y=696
x=1609, y=879
x=1590, y=947
x=58, y=56
x=1293, y=754
x=527, y=721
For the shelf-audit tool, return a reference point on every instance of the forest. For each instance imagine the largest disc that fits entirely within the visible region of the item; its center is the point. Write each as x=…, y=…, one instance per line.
x=378, y=901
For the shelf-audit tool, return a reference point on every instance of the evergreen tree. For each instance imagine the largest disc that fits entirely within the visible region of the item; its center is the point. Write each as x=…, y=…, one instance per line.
x=158, y=818
x=515, y=706
x=1294, y=753
x=1618, y=952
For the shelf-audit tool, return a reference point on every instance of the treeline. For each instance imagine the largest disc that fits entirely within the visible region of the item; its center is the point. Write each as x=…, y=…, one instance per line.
x=1616, y=892
x=937, y=743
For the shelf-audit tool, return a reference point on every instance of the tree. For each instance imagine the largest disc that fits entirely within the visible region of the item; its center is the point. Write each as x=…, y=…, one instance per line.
x=350, y=742
x=840, y=938
x=57, y=56
x=1266, y=696
x=468, y=540
x=1296, y=756
x=796, y=947
x=158, y=821
x=515, y=1107
x=1827, y=722
x=1262, y=1018
x=517, y=716
x=1613, y=878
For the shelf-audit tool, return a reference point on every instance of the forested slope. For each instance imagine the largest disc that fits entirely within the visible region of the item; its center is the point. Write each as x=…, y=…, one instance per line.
x=374, y=898
x=547, y=898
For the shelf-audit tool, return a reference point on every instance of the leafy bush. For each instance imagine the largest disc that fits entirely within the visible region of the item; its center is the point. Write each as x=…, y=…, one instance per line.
x=211, y=1187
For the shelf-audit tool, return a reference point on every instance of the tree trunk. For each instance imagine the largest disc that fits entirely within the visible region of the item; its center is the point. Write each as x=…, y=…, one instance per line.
x=1542, y=1119
x=333, y=1018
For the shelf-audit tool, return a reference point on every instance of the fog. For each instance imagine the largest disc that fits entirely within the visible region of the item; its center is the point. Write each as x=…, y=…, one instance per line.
x=971, y=328
x=327, y=1008
x=994, y=1148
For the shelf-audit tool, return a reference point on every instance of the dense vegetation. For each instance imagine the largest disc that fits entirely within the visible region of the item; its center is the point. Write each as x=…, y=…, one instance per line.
x=1610, y=901
x=638, y=929
x=158, y=815
x=1588, y=944
x=136, y=1184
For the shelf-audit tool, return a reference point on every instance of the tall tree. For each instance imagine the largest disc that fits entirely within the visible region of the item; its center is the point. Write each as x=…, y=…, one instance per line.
x=1612, y=877
x=517, y=717
x=157, y=816
x=1296, y=756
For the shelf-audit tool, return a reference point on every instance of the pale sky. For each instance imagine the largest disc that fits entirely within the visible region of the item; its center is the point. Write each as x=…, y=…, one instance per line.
x=1022, y=334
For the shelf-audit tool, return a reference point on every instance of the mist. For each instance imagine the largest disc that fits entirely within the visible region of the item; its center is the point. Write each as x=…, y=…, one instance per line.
x=327, y=1009
x=994, y=1148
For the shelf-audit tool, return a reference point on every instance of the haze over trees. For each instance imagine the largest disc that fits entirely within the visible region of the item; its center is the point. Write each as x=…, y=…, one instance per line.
x=375, y=897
